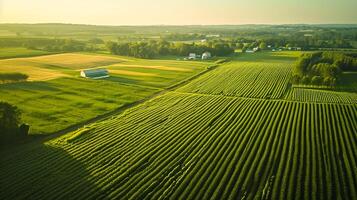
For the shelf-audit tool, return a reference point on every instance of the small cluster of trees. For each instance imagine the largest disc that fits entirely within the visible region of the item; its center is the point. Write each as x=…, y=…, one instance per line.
x=307, y=43
x=154, y=48
x=51, y=45
x=261, y=45
x=322, y=68
x=307, y=38
x=183, y=37
x=12, y=77
x=10, y=128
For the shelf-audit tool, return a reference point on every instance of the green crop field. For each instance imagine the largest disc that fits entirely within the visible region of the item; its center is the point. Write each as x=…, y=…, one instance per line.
x=255, y=80
x=194, y=146
x=240, y=131
x=314, y=95
x=19, y=52
x=56, y=97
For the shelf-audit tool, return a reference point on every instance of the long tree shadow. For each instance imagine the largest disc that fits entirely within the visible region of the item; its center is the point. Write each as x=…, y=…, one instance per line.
x=43, y=171
x=29, y=85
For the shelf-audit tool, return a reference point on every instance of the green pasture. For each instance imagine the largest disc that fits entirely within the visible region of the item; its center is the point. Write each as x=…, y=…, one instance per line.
x=67, y=99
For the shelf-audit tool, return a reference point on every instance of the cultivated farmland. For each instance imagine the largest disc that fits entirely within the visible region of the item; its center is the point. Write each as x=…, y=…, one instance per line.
x=243, y=137
x=314, y=95
x=255, y=80
x=35, y=71
x=193, y=146
x=76, y=61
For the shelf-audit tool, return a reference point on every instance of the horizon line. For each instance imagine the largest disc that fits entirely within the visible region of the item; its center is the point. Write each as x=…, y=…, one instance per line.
x=132, y=25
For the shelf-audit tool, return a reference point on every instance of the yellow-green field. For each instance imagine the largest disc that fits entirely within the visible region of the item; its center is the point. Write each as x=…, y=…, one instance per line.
x=56, y=97
x=76, y=60
x=35, y=71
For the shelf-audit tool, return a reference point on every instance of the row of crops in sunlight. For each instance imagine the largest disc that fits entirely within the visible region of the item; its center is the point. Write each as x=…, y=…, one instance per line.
x=314, y=95
x=245, y=79
x=193, y=146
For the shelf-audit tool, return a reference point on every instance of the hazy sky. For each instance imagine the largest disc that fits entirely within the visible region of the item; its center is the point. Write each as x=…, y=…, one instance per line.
x=172, y=12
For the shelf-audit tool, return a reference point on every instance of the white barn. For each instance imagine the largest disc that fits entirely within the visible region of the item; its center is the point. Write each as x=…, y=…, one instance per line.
x=206, y=55
x=95, y=73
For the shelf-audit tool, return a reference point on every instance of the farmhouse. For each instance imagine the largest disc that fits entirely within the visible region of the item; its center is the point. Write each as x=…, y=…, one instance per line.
x=192, y=56
x=256, y=49
x=95, y=73
x=206, y=55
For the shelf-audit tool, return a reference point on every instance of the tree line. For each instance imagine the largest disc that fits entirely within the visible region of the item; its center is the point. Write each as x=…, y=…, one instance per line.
x=51, y=45
x=154, y=48
x=183, y=37
x=322, y=68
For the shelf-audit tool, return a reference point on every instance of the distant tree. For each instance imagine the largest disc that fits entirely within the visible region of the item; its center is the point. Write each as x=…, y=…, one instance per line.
x=325, y=68
x=305, y=80
x=222, y=49
x=301, y=66
x=253, y=45
x=316, y=80
x=10, y=117
x=263, y=45
x=289, y=45
x=112, y=47
x=296, y=79
x=239, y=45
x=96, y=41
x=23, y=130
x=328, y=81
x=164, y=47
x=154, y=48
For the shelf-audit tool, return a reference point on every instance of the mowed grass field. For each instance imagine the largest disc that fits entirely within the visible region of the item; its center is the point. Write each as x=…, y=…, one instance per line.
x=201, y=141
x=56, y=97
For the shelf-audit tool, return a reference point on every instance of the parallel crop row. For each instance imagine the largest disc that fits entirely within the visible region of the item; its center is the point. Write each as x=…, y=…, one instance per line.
x=192, y=146
x=320, y=96
x=255, y=80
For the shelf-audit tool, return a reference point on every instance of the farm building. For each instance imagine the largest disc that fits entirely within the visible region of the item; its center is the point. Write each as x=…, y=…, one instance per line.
x=95, y=73
x=192, y=56
x=206, y=55
x=256, y=49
